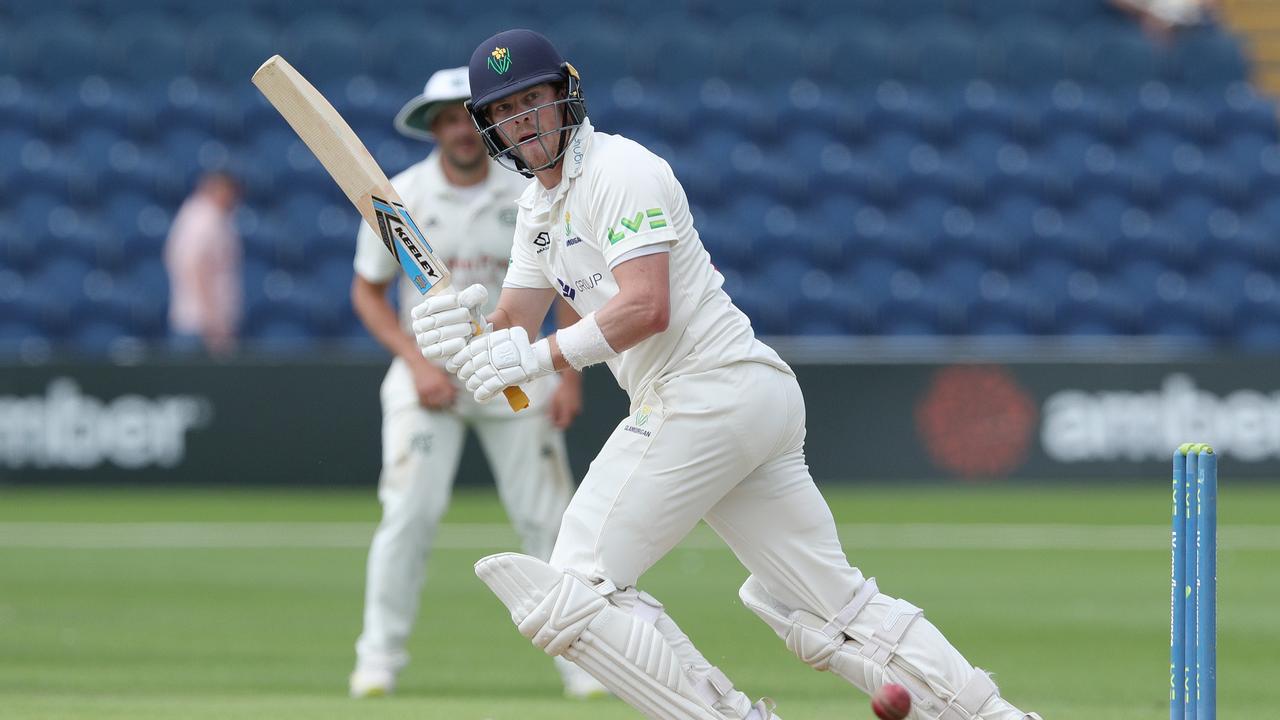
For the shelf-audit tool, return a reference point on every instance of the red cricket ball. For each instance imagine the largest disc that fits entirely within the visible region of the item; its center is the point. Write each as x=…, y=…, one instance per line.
x=891, y=702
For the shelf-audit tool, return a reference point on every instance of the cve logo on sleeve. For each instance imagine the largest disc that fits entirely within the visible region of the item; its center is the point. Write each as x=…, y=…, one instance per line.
x=636, y=223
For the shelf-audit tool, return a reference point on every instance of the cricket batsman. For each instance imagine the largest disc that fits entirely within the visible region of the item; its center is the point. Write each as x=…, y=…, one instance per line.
x=716, y=429
x=468, y=212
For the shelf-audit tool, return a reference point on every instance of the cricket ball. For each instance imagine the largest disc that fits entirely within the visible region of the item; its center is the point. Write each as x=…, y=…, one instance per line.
x=891, y=702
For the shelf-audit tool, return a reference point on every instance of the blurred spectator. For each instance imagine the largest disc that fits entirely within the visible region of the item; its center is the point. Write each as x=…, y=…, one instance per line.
x=203, y=258
x=1162, y=18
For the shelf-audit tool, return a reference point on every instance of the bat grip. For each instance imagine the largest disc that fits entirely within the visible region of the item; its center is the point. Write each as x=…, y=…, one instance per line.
x=515, y=396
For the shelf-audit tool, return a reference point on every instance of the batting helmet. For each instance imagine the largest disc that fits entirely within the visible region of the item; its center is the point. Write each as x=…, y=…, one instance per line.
x=511, y=61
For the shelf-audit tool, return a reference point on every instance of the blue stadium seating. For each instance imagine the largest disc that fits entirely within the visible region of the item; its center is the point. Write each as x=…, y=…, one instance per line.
x=55, y=49
x=914, y=166
x=1025, y=54
x=665, y=53
x=228, y=47
x=1207, y=57
x=145, y=48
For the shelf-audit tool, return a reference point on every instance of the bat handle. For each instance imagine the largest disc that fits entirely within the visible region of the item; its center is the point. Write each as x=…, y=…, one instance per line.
x=515, y=396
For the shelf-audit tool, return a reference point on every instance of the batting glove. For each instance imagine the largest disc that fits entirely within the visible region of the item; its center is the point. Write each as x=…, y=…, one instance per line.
x=500, y=359
x=442, y=323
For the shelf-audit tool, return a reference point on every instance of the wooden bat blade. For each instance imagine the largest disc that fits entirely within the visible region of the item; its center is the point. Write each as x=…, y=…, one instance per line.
x=349, y=163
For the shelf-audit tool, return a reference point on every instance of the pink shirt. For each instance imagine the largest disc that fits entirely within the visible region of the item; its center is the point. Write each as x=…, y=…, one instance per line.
x=202, y=255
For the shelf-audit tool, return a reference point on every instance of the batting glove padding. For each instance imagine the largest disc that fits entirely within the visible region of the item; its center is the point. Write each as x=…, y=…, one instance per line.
x=442, y=323
x=500, y=359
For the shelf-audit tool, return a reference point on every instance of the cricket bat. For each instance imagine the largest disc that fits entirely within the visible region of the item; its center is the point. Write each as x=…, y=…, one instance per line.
x=338, y=149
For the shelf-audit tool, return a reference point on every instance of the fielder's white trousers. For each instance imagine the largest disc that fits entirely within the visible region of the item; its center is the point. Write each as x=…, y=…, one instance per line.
x=420, y=454
x=725, y=445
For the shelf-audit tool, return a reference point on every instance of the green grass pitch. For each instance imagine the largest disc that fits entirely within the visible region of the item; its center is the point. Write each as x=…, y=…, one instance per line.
x=145, y=604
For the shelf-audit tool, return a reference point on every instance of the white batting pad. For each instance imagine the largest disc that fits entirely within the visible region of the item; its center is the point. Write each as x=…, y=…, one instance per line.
x=564, y=615
x=878, y=639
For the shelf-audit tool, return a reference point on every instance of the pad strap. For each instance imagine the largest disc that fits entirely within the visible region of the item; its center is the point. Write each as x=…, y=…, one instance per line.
x=843, y=619
x=882, y=644
x=970, y=698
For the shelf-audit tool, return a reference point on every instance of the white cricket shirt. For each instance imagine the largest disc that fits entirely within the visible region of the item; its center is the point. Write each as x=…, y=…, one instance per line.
x=468, y=228
x=617, y=200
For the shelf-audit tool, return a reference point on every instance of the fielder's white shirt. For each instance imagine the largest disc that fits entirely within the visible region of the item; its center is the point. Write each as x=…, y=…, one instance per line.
x=468, y=228
x=616, y=201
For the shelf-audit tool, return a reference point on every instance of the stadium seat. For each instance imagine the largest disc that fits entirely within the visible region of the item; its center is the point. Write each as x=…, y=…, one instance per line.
x=327, y=310
x=593, y=47
x=322, y=45
x=146, y=48
x=918, y=316
x=1015, y=214
x=1114, y=57
x=959, y=277
x=412, y=45
x=12, y=142
x=63, y=273
x=665, y=51
x=740, y=231
x=941, y=55
x=1261, y=336
x=1046, y=12
x=1240, y=108
x=15, y=333
x=280, y=335
x=148, y=277
x=851, y=55
x=841, y=115
x=1207, y=57
x=1158, y=108
x=773, y=295
x=32, y=211
x=97, y=338
x=829, y=228
x=761, y=49
x=228, y=47
x=1025, y=54
x=56, y=49
x=22, y=100
x=20, y=248
x=749, y=114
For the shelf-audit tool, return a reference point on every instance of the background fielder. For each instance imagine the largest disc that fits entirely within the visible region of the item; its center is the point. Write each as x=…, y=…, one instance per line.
x=467, y=214
x=716, y=431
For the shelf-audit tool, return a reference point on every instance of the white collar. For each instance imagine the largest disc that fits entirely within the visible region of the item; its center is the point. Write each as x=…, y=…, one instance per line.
x=574, y=158
x=577, y=152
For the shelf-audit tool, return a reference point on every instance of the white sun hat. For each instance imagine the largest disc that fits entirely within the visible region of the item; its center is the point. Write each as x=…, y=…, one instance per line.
x=444, y=87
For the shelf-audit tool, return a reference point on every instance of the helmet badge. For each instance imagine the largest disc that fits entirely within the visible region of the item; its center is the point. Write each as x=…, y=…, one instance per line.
x=500, y=60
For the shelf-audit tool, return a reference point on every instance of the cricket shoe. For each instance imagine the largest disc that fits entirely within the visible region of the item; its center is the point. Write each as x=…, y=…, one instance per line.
x=578, y=683
x=371, y=683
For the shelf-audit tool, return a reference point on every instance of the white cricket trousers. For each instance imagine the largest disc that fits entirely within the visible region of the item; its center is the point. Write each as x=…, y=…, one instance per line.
x=726, y=445
x=420, y=453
